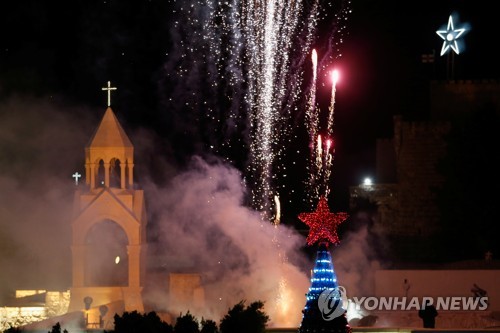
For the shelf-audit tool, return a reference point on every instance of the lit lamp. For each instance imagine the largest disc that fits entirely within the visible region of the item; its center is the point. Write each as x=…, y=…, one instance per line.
x=103, y=309
x=87, y=300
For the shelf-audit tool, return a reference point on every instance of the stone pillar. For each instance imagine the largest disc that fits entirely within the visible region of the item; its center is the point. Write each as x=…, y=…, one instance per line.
x=122, y=175
x=106, y=174
x=92, y=175
x=87, y=173
x=134, y=265
x=133, y=299
x=132, y=294
x=78, y=258
x=131, y=175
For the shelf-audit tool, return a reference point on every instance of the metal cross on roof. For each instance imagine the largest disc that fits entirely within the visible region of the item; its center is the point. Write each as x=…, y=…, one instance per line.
x=76, y=175
x=109, y=88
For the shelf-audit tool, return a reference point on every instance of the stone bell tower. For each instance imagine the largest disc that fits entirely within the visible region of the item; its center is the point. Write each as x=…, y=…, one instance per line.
x=109, y=225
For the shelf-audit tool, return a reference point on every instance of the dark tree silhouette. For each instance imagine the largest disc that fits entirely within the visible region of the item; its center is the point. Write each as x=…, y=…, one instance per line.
x=208, y=326
x=186, y=324
x=135, y=322
x=241, y=319
x=57, y=328
x=13, y=330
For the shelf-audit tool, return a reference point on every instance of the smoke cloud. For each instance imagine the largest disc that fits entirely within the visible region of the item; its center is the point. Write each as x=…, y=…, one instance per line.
x=203, y=222
x=41, y=146
x=198, y=222
x=198, y=216
x=355, y=265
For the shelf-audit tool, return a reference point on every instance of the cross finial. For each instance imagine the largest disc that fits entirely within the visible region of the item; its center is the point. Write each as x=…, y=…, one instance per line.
x=109, y=88
x=76, y=175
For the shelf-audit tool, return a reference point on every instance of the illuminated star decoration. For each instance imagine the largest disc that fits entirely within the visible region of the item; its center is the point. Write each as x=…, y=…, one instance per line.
x=323, y=224
x=450, y=36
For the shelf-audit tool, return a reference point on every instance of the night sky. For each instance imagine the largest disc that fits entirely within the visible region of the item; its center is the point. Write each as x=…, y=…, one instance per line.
x=66, y=51
x=55, y=56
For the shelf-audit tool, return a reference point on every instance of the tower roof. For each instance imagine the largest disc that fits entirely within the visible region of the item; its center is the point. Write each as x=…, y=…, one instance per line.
x=110, y=133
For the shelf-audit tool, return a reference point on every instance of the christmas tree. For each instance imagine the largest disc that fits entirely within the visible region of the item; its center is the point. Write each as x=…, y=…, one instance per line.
x=324, y=310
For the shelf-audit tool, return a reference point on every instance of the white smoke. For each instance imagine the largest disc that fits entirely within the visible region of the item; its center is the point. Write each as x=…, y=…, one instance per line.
x=204, y=222
x=41, y=145
x=198, y=221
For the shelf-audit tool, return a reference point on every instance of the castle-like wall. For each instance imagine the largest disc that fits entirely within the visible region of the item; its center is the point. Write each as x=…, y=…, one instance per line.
x=385, y=196
x=451, y=99
x=418, y=146
x=438, y=283
x=385, y=161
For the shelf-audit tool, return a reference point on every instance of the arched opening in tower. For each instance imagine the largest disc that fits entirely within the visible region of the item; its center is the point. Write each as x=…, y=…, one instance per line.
x=115, y=173
x=106, y=259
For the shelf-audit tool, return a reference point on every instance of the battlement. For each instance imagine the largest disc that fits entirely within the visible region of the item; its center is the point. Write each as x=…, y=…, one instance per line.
x=416, y=128
x=450, y=99
x=384, y=141
x=465, y=82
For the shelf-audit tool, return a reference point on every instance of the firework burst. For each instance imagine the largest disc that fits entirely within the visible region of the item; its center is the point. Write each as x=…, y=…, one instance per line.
x=322, y=150
x=237, y=72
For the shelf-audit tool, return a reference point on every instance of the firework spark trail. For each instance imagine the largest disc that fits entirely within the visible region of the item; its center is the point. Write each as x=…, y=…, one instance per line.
x=283, y=299
x=269, y=32
x=323, y=165
x=266, y=124
x=277, y=204
x=319, y=156
x=311, y=113
x=319, y=179
x=331, y=109
x=311, y=116
x=283, y=296
x=328, y=155
x=328, y=166
x=252, y=54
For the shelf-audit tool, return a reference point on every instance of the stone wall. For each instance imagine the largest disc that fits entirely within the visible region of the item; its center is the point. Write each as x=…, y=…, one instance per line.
x=56, y=303
x=438, y=283
x=418, y=147
x=452, y=99
x=20, y=316
x=407, y=207
x=385, y=196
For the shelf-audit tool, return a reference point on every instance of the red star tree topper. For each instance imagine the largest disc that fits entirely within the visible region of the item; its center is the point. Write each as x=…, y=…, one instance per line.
x=322, y=223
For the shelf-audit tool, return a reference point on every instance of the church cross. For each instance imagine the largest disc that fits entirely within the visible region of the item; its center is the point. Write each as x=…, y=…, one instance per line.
x=76, y=175
x=109, y=88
